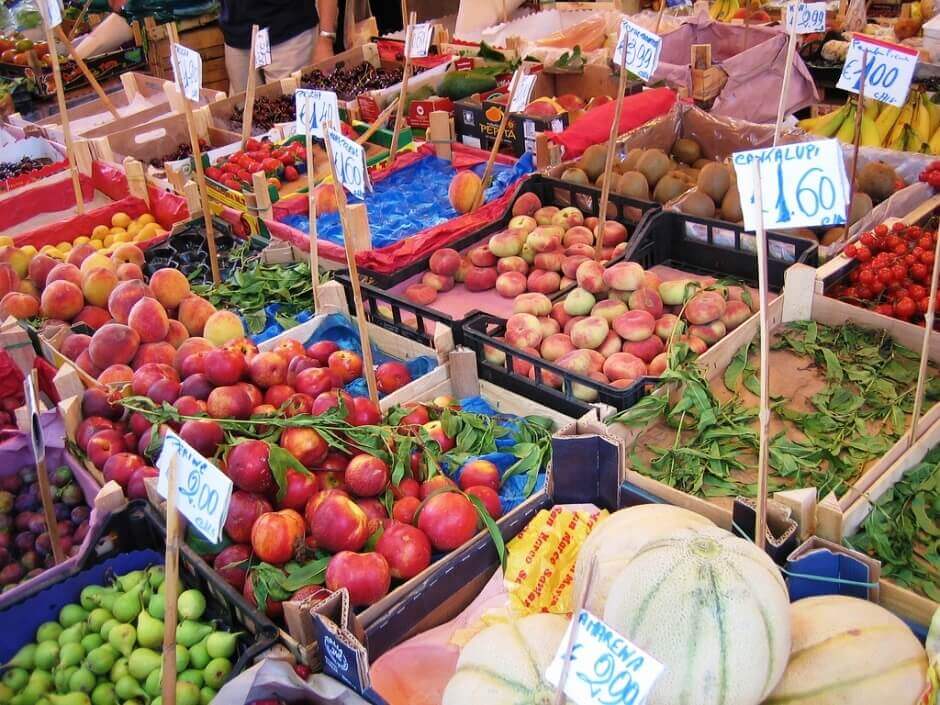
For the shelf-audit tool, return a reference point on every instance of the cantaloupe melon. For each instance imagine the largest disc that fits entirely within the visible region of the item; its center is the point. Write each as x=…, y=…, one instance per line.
x=505, y=664
x=847, y=651
x=710, y=606
x=616, y=540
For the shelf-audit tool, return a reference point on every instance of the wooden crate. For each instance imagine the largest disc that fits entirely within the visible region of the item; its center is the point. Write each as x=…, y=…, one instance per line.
x=201, y=34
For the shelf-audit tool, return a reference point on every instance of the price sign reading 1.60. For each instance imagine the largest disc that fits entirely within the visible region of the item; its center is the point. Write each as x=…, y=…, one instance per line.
x=643, y=48
x=888, y=70
x=803, y=185
x=810, y=17
x=349, y=161
x=314, y=109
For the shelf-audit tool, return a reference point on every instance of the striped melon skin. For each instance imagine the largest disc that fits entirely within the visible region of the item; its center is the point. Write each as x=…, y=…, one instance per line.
x=847, y=651
x=713, y=609
x=618, y=538
x=505, y=664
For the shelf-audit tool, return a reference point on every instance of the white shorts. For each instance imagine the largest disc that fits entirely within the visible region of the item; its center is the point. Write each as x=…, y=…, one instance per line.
x=286, y=58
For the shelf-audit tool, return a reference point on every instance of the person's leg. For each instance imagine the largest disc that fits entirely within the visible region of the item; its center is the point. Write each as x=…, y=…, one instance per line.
x=236, y=66
x=290, y=56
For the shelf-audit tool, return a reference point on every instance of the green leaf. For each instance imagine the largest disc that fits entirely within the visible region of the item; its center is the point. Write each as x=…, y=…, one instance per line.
x=280, y=462
x=310, y=573
x=833, y=368
x=491, y=527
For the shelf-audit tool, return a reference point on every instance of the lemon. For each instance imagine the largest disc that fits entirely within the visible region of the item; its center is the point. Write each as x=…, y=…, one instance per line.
x=99, y=232
x=146, y=219
x=108, y=241
x=96, y=243
x=120, y=220
x=124, y=236
x=29, y=251
x=80, y=240
x=142, y=236
x=134, y=228
x=64, y=247
x=6, y=240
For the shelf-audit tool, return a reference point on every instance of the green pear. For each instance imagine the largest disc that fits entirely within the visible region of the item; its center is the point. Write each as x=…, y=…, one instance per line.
x=199, y=656
x=191, y=604
x=134, y=701
x=24, y=658
x=221, y=644
x=129, y=581
x=123, y=637
x=48, y=631
x=61, y=678
x=70, y=699
x=189, y=633
x=100, y=660
x=156, y=574
x=41, y=678
x=90, y=642
x=142, y=661
x=82, y=681
x=126, y=607
x=155, y=607
x=216, y=672
x=103, y=694
x=30, y=695
x=71, y=655
x=182, y=658
x=153, y=683
x=107, y=627
x=206, y=694
x=16, y=678
x=6, y=693
x=126, y=688
x=73, y=634
x=149, y=631
x=91, y=596
x=46, y=655
x=97, y=618
x=193, y=675
x=118, y=669
x=187, y=693
x=72, y=614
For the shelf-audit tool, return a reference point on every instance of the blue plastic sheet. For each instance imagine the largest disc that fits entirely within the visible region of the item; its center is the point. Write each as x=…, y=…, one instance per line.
x=272, y=327
x=411, y=200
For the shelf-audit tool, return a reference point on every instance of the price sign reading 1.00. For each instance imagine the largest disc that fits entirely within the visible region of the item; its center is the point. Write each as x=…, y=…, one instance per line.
x=643, y=48
x=314, y=109
x=803, y=185
x=187, y=67
x=888, y=71
x=810, y=17
x=203, y=491
x=349, y=161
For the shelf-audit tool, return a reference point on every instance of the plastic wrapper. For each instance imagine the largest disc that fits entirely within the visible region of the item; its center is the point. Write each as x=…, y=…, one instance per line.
x=474, y=17
x=588, y=34
x=273, y=678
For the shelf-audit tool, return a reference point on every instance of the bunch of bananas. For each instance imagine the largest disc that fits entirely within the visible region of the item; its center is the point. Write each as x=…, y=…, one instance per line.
x=915, y=127
x=724, y=10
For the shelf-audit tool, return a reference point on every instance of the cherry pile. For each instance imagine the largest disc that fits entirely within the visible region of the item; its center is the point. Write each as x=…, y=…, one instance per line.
x=893, y=275
x=347, y=83
x=25, y=165
x=931, y=175
x=267, y=112
x=183, y=151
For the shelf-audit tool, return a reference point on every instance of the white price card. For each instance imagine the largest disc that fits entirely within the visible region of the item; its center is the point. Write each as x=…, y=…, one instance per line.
x=52, y=12
x=349, y=161
x=421, y=39
x=203, y=491
x=605, y=666
x=810, y=17
x=187, y=67
x=643, y=48
x=262, y=48
x=803, y=185
x=314, y=109
x=889, y=70
x=520, y=98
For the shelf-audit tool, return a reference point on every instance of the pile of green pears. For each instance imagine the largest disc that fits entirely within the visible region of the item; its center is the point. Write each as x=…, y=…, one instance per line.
x=107, y=650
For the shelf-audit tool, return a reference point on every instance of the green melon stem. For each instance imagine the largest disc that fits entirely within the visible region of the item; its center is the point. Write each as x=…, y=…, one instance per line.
x=705, y=547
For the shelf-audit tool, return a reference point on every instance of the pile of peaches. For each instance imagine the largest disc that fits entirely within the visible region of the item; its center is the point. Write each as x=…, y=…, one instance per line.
x=539, y=251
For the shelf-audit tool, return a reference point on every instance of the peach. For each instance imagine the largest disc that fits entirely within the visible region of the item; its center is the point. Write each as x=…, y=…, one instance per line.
x=74, y=345
x=494, y=355
x=222, y=327
x=635, y=325
x=113, y=344
x=267, y=369
x=438, y=282
x=193, y=313
x=16, y=258
x=711, y=333
x=124, y=296
x=612, y=344
x=170, y=287
x=544, y=215
x=97, y=285
x=65, y=272
x=568, y=217
x=527, y=253
x=579, y=302
x=27, y=287
x=644, y=299
x=39, y=268
x=464, y=190
x=510, y=284
x=545, y=238
x=85, y=364
x=705, y=307
x=526, y=204
x=549, y=261
x=480, y=278
x=191, y=346
x=116, y=375
x=580, y=249
x=176, y=334
x=589, y=332
x=646, y=350
x=145, y=376
x=522, y=225
x=696, y=344
x=666, y=324
x=523, y=330
x=149, y=320
x=78, y=254
x=658, y=364
x=229, y=402
x=127, y=253
x=505, y=244
x=19, y=305
x=590, y=277
x=96, y=261
x=677, y=291
x=480, y=256
x=609, y=309
x=549, y=326
x=578, y=361
x=623, y=365
x=534, y=303
x=578, y=235
x=556, y=345
x=559, y=314
x=420, y=294
x=524, y=367
x=570, y=264
x=543, y=282
x=736, y=312
x=461, y=274
x=624, y=276
x=650, y=279
x=93, y=316
x=9, y=280
x=566, y=329
x=445, y=262
x=512, y=264
x=161, y=353
x=62, y=300
x=614, y=233
x=127, y=271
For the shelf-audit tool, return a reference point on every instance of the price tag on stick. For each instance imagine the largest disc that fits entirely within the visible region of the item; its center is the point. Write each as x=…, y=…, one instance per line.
x=520, y=98
x=888, y=73
x=349, y=161
x=643, y=48
x=605, y=667
x=804, y=185
x=314, y=109
x=187, y=67
x=53, y=12
x=203, y=491
x=810, y=17
x=263, y=48
x=421, y=39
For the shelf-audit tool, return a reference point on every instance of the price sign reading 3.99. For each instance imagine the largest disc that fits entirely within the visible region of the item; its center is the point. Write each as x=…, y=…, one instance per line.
x=803, y=185
x=888, y=73
x=643, y=49
x=606, y=669
x=314, y=109
x=203, y=491
x=349, y=160
x=187, y=67
x=810, y=17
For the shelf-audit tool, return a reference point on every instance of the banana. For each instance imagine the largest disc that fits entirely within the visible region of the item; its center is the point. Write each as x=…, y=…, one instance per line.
x=904, y=120
x=871, y=107
x=886, y=121
x=869, y=133
x=933, y=110
x=934, y=144
x=826, y=125
x=733, y=7
x=921, y=122
x=715, y=11
x=846, y=132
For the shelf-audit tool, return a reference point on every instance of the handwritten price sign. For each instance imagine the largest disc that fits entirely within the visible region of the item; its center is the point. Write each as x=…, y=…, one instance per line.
x=187, y=66
x=421, y=40
x=53, y=12
x=643, y=49
x=888, y=73
x=314, y=109
x=349, y=161
x=203, y=491
x=520, y=98
x=810, y=17
x=606, y=669
x=263, y=48
x=803, y=185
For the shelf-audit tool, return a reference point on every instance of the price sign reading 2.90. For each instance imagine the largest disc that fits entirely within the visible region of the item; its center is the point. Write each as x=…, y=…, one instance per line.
x=349, y=160
x=888, y=72
x=803, y=185
x=643, y=48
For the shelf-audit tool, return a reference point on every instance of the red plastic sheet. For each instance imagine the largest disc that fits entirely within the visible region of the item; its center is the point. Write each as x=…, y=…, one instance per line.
x=386, y=260
x=594, y=126
x=168, y=208
x=29, y=177
x=42, y=198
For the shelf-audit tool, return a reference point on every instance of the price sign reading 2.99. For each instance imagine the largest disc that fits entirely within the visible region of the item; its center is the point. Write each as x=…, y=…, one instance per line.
x=349, y=161
x=643, y=48
x=810, y=17
x=888, y=73
x=803, y=185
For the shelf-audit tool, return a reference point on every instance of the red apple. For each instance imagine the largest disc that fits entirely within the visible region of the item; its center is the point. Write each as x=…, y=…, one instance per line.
x=365, y=575
x=406, y=549
x=449, y=519
x=244, y=510
x=366, y=475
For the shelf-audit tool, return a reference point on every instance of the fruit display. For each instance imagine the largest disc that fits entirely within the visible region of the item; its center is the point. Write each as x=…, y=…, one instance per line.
x=279, y=163
x=349, y=81
x=107, y=647
x=183, y=151
x=8, y=170
x=266, y=113
x=16, y=50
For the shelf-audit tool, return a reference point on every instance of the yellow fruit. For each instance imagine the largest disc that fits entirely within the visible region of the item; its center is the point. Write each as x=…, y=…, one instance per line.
x=81, y=240
x=115, y=230
x=124, y=236
x=146, y=218
x=29, y=251
x=99, y=232
x=96, y=243
x=109, y=240
x=64, y=247
x=141, y=237
x=148, y=231
x=46, y=249
x=5, y=240
x=134, y=228
x=121, y=220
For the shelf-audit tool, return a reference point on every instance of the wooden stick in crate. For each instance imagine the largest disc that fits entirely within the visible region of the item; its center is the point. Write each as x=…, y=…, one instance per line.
x=249, y=111
x=403, y=93
x=609, y=161
x=855, y=143
x=379, y=121
x=494, y=150
x=760, y=531
x=31, y=385
x=312, y=235
x=925, y=346
x=172, y=585
x=89, y=76
x=787, y=71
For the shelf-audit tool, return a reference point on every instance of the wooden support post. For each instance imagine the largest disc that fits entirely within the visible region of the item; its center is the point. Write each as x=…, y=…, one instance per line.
x=249, y=111
x=89, y=76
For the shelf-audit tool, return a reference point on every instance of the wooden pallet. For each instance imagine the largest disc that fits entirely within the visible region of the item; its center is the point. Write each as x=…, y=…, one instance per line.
x=201, y=34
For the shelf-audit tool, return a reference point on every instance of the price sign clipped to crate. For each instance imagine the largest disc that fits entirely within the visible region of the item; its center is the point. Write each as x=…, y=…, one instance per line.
x=187, y=67
x=810, y=17
x=349, y=162
x=642, y=49
x=520, y=98
x=263, y=48
x=421, y=39
x=314, y=109
x=886, y=68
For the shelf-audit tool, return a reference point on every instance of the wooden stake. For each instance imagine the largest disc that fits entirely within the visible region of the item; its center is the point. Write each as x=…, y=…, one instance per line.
x=368, y=368
x=784, y=90
x=89, y=76
x=379, y=121
x=171, y=578
x=200, y=172
x=312, y=215
x=855, y=142
x=573, y=636
x=78, y=21
x=659, y=22
x=63, y=113
x=249, y=111
x=925, y=346
x=403, y=94
x=609, y=162
x=760, y=532
x=39, y=455
x=494, y=150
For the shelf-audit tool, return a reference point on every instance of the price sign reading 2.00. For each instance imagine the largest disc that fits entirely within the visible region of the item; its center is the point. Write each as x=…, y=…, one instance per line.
x=888, y=71
x=803, y=185
x=349, y=160
x=643, y=48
